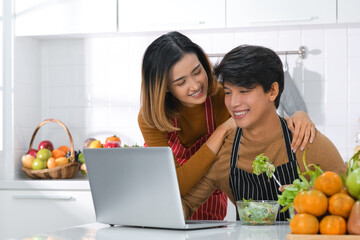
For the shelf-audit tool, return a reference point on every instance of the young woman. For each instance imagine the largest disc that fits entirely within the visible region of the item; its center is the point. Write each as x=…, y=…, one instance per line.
x=182, y=106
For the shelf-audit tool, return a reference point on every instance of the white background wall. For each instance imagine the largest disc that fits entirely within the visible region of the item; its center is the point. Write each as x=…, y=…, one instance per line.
x=93, y=84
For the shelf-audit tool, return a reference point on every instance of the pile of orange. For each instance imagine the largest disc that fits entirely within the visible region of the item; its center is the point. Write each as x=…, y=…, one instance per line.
x=60, y=151
x=324, y=209
x=58, y=156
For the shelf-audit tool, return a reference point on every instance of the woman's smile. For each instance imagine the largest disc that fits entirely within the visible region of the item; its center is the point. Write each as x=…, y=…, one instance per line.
x=198, y=93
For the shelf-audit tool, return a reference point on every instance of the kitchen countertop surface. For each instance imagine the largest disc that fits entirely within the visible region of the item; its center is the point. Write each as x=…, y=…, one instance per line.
x=104, y=232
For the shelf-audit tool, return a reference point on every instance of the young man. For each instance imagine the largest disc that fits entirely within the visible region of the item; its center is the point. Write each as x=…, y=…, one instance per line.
x=253, y=81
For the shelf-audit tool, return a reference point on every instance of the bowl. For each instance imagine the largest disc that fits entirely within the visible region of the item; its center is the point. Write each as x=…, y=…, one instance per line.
x=257, y=212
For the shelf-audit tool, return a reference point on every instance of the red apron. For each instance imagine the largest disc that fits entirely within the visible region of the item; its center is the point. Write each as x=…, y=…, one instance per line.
x=216, y=206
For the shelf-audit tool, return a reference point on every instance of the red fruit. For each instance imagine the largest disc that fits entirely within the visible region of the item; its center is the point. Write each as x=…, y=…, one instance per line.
x=112, y=145
x=46, y=144
x=32, y=152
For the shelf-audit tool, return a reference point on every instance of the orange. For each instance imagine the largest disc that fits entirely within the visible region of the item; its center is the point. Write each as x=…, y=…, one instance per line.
x=56, y=153
x=329, y=183
x=296, y=201
x=51, y=163
x=333, y=225
x=340, y=204
x=64, y=148
x=303, y=223
x=312, y=201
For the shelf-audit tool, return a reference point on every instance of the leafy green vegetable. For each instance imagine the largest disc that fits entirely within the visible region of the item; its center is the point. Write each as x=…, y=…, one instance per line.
x=313, y=174
x=257, y=212
x=288, y=195
x=262, y=164
x=136, y=145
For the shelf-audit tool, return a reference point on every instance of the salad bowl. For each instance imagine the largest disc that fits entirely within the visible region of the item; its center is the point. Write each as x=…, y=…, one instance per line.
x=257, y=212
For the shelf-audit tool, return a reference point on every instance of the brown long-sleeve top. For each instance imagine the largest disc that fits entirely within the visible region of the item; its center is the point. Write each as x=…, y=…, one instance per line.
x=322, y=151
x=193, y=127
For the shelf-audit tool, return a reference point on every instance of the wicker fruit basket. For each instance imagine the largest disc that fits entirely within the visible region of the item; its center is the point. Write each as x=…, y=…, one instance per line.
x=68, y=170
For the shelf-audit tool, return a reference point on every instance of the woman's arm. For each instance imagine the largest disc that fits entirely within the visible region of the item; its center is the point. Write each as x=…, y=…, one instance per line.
x=216, y=139
x=195, y=168
x=303, y=130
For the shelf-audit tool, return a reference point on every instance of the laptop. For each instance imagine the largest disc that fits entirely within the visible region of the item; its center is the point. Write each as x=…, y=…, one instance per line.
x=138, y=187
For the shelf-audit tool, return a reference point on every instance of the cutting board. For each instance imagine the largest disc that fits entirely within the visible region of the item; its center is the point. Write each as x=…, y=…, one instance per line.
x=321, y=237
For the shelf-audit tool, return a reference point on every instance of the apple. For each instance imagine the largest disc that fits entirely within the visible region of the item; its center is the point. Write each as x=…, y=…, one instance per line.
x=38, y=164
x=46, y=144
x=32, y=152
x=112, y=145
x=44, y=154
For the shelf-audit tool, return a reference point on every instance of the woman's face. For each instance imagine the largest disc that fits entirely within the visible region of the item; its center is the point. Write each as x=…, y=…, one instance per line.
x=188, y=81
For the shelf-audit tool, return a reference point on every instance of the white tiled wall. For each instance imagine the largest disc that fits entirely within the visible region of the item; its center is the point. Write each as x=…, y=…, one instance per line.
x=93, y=84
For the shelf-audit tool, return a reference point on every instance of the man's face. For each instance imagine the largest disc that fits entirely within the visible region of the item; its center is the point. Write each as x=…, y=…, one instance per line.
x=249, y=107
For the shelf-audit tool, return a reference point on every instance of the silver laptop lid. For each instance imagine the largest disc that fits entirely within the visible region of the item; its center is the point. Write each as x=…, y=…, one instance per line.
x=135, y=186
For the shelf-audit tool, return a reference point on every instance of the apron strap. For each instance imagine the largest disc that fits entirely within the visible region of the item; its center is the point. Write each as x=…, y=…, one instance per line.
x=235, y=148
x=209, y=115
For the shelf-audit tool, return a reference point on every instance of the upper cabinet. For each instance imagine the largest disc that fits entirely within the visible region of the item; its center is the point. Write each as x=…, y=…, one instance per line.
x=53, y=17
x=245, y=13
x=348, y=11
x=165, y=15
x=59, y=17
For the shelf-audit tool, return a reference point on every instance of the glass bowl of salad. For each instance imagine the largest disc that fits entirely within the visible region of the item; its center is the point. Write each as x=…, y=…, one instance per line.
x=257, y=212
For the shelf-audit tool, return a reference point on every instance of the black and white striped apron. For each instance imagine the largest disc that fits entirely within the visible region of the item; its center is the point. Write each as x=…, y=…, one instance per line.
x=246, y=185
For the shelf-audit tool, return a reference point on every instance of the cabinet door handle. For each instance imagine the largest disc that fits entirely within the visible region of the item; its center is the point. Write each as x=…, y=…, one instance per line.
x=283, y=20
x=40, y=197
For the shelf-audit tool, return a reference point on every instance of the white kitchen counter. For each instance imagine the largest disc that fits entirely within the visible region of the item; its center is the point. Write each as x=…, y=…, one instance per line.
x=105, y=232
x=63, y=184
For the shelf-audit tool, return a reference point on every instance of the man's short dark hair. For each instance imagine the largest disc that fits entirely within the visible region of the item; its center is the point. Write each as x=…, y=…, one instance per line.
x=248, y=66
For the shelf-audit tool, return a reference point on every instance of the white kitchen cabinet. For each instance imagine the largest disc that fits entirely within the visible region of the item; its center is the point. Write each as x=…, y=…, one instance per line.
x=245, y=13
x=26, y=212
x=165, y=15
x=348, y=11
x=53, y=17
